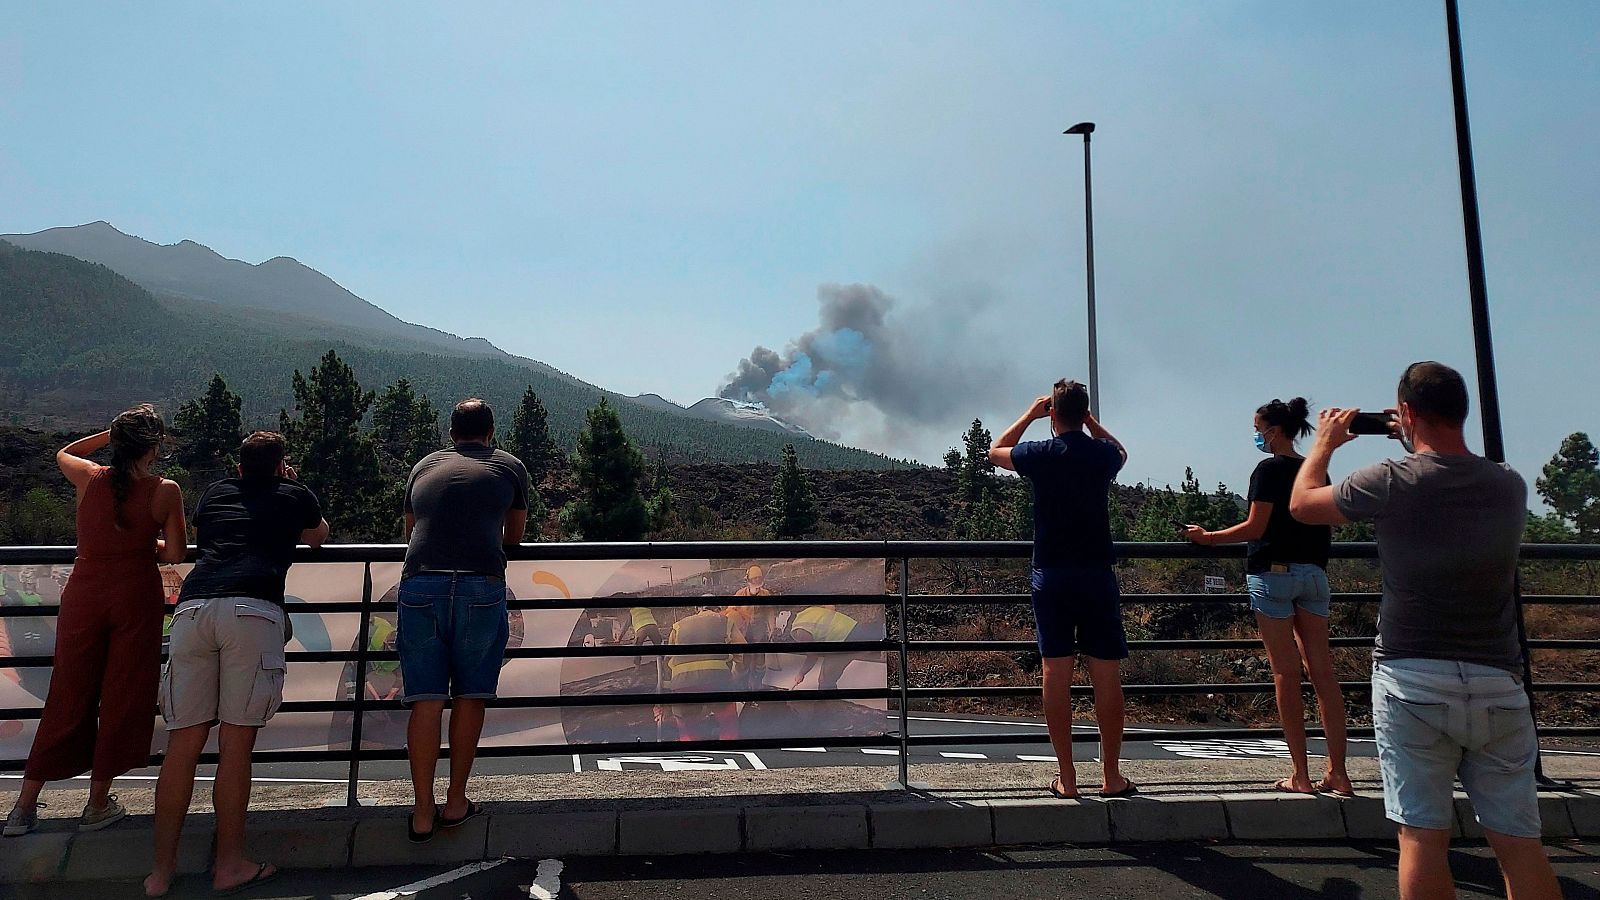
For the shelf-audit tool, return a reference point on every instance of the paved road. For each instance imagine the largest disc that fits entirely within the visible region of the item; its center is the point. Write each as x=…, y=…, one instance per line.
x=819, y=754
x=1280, y=872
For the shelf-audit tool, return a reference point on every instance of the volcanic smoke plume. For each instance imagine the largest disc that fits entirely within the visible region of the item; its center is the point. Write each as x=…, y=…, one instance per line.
x=871, y=371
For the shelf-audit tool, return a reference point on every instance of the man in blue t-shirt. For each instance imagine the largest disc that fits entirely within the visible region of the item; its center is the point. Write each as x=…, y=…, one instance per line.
x=1076, y=604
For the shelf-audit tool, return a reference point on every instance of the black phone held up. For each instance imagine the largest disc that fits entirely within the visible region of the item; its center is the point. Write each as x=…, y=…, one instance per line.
x=1372, y=423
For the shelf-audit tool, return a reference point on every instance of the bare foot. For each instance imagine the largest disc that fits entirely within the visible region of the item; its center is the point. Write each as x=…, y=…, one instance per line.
x=1336, y=784
x=1115, y=786
x=157, y=884
x=226, y=878
x=1295, y=784
x=424, y=818
x=1064, y=789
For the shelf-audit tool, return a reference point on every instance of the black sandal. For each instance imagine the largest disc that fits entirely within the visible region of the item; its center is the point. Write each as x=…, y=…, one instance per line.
x=1058, y=790
x=1128, y=790
x=473, y=809
x=422, y=837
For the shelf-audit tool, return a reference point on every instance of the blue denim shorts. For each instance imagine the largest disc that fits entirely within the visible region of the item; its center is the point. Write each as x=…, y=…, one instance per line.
x=1078, y=609
x=1437, y=720
x=452, y=636
x=1276, y=595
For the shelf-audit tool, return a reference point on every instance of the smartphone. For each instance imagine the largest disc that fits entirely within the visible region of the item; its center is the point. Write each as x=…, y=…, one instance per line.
x=1179, y=524
x=1372, y=423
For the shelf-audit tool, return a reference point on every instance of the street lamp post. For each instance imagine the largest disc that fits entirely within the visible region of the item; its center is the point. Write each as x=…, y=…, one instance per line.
x=1086, y=129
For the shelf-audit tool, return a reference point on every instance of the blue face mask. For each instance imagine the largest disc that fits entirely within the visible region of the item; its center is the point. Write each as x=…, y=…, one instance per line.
x=1261, y=443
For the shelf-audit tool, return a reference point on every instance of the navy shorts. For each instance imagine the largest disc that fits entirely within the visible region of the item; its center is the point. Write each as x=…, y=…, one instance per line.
x=452, y=636
x=1078, y=609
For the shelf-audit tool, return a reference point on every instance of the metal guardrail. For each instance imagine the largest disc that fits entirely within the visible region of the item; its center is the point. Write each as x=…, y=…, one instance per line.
x=899, y=554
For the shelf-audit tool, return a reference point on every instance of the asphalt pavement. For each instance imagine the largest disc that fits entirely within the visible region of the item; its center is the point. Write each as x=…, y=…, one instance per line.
x=1287, y=871
x=804, y=754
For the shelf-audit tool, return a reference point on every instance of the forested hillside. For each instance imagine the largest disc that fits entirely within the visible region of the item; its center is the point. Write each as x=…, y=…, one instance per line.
x=85, y=342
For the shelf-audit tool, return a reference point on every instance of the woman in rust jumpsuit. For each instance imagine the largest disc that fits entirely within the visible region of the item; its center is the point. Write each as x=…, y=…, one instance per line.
x=100, y=711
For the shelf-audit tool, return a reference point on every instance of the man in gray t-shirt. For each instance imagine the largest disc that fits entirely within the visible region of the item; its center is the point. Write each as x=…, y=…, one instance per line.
x=456, y=505
x=1447, y=694
x=463, y=507
x=1449, y=527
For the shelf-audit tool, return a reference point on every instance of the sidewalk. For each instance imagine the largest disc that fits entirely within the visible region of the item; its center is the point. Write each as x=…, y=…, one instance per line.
x=607, y=813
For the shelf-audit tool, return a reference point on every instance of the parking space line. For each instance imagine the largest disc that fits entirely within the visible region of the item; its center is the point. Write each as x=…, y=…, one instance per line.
x=876, y=752
x=804, y=749
x=417, y=887
x=1037, y=758
x=948, y=755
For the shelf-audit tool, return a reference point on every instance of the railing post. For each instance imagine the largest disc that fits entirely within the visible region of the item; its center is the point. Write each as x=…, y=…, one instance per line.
x=905, y=690
x=1527, y=684
x=362, y=640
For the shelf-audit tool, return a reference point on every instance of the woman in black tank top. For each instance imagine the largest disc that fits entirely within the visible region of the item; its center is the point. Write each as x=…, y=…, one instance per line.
x=1286, y=572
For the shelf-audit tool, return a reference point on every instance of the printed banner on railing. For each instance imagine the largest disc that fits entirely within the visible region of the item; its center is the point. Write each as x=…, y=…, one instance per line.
x=638, y=603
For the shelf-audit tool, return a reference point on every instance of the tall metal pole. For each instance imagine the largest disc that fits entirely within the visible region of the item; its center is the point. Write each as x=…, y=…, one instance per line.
x=1086, y=129
x=1088, y=235
x=1488, y=392
x=1483, y=342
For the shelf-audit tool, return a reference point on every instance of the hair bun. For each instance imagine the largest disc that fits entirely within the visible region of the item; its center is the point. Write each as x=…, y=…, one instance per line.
x=1299, y=407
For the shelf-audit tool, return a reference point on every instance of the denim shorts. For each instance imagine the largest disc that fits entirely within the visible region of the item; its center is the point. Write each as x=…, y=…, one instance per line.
x=452, y=636
x=1437, y=720
x=1276, y=595
x=1078, y=609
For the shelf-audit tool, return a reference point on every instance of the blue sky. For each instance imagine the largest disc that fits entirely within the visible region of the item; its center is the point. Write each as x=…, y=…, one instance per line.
x=641, y=193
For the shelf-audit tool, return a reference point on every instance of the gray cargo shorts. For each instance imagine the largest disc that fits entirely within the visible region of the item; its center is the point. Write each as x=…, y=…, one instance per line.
x=226, y=663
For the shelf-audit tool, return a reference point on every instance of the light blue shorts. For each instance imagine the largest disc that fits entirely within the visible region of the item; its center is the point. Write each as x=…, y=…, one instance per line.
x=1437, y=720
x=1276, y=595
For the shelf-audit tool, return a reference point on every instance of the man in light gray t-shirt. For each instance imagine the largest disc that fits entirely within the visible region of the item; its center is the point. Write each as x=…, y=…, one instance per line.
x=1448, y=700
x=1449, y=527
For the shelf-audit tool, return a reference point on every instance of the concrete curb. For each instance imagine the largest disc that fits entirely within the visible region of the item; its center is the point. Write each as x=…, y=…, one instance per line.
x=376, y=837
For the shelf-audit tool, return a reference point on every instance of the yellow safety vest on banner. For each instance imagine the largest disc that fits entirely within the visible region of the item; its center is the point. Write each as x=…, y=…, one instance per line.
x=824, y=624
x=700, y=628
x=641, y=617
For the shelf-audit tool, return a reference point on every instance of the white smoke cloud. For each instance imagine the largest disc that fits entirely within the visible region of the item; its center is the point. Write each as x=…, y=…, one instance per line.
x=876, y=372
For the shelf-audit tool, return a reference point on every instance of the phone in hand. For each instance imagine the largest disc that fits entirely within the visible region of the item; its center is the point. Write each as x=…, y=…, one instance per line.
x=1372, y=423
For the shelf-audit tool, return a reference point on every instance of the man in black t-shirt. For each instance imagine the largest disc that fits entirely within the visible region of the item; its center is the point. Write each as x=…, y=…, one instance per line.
x=1076, y=602
x=227, y=664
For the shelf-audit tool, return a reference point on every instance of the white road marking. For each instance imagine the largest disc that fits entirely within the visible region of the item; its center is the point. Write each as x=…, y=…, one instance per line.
x=547, y=882
x=948, y=755
x=1037, y=758
x=577, y=763
x=804, y=749
x=417, y=887
x=876, y=752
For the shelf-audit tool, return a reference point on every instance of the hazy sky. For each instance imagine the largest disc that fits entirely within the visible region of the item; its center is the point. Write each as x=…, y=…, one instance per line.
x=640, y=194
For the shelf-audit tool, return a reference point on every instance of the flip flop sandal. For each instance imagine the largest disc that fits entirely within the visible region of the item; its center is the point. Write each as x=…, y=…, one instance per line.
x=473, y=809
x=1282, y=786
x=422, y=837
x=1058, y=790
x=262, y=876
x=1128, y=790
x=1342, y=795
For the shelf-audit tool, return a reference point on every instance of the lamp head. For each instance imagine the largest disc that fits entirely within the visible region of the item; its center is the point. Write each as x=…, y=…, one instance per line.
x=1081, y=128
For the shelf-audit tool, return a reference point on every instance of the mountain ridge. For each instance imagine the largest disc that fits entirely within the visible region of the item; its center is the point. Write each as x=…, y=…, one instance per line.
x=86, y=342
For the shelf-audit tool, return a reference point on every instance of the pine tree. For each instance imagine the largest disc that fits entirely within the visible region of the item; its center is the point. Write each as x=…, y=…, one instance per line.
x=337, y=460
x=608, y=470
x=1571, y=485
x=975, y=477
x=210, y=428
x=792, y=513
x=530, y=439
x=405, y=428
